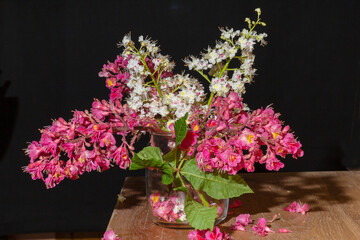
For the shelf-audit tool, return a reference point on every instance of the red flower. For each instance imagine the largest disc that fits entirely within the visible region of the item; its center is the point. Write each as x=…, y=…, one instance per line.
x=189, y=140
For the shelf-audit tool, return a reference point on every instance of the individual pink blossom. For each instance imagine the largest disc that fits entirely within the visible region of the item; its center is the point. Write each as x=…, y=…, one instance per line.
x=291, y=207
x=163, y=210
x=207, y=234
x=195, y=126
x=116, y=93
x=261, y=229
x=284, y=230
x=298, y=207
x=302, y=208
x=121, y=157
x=272, y=163
x=241, y=221
x=34, y=150
x=197, y=235
x=35, y=169
x=110, y=235
x=216, y=234
x=110, y=82
x=107, y=139
x=247, y=139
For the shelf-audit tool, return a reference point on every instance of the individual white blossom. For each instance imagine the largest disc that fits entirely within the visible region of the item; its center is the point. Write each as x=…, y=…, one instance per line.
x=220, y=86
x=126, y=40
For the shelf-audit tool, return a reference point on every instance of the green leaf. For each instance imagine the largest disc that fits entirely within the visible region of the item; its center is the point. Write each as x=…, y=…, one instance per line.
x=180, y=129
x=218, y=186
x=167, y=177
x=199, y=216
x=148, y=157
x=151, y=157
x=172, y=157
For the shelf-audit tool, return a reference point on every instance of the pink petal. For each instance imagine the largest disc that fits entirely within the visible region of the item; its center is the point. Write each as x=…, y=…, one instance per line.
x=284, y=230
x=109, y=235
x=302, y=208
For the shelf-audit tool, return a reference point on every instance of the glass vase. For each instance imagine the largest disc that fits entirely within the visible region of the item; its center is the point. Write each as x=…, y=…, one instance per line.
x=166, y=205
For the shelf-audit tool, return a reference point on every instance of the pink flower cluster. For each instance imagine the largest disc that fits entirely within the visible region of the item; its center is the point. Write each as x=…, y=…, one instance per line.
x=243, y=134
x=87, y=141
x=207, y=234
x=298, y=207
x=168, y=208
x=116, y=77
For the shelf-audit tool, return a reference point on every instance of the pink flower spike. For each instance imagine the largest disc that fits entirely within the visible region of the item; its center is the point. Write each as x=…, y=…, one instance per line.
x=235, y=204
x=284, y=230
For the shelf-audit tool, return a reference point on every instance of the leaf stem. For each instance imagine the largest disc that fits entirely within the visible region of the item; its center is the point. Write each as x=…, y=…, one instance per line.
x=142, y=59
x=202, y=74
x=210, y=99
x=180, y=165
x=202, y=197
x=225, y=67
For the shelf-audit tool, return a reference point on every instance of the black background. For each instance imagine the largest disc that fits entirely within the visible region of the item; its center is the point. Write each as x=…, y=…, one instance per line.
x=52, y=51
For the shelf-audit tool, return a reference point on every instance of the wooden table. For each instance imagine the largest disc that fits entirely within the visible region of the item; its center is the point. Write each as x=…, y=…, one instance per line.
x=333, y=197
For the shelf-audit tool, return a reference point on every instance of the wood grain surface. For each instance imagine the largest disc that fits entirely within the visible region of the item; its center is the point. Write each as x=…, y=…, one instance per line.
x=333, y=197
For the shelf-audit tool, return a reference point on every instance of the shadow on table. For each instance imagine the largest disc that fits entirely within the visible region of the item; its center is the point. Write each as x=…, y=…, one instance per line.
x=283, y=188
x=131, y=190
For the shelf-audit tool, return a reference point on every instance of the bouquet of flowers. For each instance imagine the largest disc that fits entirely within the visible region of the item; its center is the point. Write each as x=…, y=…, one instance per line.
x=211, y=137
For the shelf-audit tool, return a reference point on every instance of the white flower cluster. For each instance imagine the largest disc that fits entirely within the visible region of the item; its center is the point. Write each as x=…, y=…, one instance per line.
x=236, y=44
x=189, y=92
x=221, y=86
x=152, y=94
x=155, y=92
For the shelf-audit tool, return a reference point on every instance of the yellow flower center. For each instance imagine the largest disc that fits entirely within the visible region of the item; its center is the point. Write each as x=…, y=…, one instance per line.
x=275, y=135
x=249, y=138
x=109, y=82
x=155, y=198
